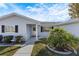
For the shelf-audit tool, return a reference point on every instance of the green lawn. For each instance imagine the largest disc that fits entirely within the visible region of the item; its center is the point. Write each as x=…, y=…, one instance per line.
x=40, y=49
x=8, y=50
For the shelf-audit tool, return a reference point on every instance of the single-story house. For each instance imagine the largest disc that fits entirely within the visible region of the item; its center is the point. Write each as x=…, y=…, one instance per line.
x=16, y=24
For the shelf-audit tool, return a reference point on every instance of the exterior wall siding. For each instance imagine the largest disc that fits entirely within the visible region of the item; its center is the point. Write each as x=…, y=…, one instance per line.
x=12, y=21
x=29, y=31
x=43, y=34
x=72, y=28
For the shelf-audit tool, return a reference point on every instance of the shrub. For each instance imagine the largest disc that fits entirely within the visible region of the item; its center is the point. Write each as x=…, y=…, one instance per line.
x=19, y=39
x=7, y=39
x=1, y=37
x=61, y=39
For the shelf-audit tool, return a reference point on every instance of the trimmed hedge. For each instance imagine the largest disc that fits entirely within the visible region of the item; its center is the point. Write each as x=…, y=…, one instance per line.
x=61, y=39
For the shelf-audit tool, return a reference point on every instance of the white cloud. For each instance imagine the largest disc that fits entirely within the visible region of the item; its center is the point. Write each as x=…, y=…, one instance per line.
x=45, y=12
x=48, y=13
x=2, y=5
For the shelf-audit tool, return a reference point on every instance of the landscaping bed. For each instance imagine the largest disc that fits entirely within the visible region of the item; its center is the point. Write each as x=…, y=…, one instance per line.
x=11, y=39
x=40, y=49
x=59, y=43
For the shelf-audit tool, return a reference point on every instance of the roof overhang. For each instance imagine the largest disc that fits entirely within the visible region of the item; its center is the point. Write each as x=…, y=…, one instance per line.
x=19, y=15
x=40, y=22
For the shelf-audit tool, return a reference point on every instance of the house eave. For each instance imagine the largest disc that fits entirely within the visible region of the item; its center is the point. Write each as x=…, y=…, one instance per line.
x=16, y=14
x=40, y=22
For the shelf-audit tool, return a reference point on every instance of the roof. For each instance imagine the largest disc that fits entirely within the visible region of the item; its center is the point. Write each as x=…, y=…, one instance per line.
x=72, y=21
x=16, y=14
x=40, y=22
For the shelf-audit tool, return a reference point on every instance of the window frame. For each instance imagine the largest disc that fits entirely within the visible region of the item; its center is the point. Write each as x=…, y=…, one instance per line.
x=9, y=29
x=43, y=29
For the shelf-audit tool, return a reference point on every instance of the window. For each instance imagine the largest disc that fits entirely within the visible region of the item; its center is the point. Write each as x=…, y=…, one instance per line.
x=46, y=29
x=34, y=29
x=3, y=28
x=41, y=29
x=16, y=28
x=9, y=28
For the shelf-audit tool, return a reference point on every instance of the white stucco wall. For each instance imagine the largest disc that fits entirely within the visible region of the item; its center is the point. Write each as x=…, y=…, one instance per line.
x=14, y=20
x=29, y=31
x=72, y=28
x=42, y=34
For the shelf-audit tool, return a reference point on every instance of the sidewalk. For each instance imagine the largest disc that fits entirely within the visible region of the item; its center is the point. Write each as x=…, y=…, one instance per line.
x=27, y=49
x=24, y=51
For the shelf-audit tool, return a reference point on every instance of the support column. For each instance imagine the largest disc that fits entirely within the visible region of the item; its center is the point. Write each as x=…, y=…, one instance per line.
x=36, y=32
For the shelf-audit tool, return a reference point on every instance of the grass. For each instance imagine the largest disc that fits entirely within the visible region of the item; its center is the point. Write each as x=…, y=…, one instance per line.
x=8, y=50
x=37, y=48
x=40, y=49
x=3, y=47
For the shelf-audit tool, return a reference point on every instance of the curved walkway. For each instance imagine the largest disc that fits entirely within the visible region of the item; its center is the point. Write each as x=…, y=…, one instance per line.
x=26, y=50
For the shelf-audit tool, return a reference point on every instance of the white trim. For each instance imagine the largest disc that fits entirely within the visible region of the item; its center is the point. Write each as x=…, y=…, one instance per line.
x=36, y=32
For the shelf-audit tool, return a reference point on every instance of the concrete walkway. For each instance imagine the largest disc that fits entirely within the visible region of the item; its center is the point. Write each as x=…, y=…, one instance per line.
x=26, y=50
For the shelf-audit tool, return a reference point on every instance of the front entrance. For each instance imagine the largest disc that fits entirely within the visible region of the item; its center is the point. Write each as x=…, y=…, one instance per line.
x=33, y=31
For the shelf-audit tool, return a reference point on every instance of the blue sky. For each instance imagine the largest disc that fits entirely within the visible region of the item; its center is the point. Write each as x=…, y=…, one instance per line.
x=40, y=11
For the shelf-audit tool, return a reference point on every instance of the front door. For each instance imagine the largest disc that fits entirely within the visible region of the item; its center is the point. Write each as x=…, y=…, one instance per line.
x=33, y=31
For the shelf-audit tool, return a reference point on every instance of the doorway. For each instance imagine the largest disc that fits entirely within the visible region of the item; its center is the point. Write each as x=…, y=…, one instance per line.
x=33, y=31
